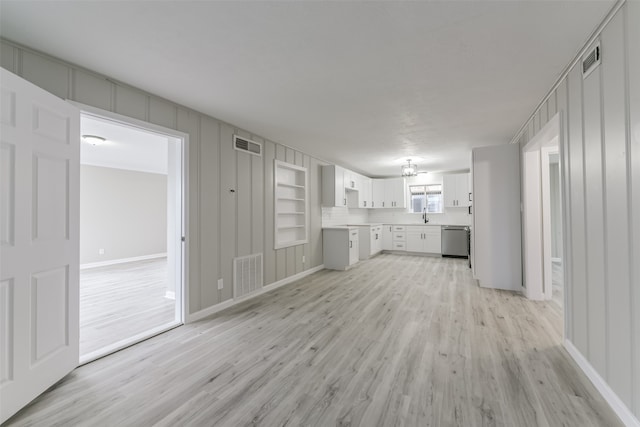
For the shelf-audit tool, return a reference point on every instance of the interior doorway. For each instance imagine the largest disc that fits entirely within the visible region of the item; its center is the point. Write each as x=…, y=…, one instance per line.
x=131, y=228
x=542, y=216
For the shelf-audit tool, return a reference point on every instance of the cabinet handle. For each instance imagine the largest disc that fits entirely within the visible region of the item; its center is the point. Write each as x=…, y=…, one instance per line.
x=350, y=243
x=365, y=203
x=469, y=196
x=344, y=202
x=383, y=204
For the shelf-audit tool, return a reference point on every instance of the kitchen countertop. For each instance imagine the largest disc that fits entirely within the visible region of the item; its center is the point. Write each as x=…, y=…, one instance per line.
x=372, y=224
x=422, y=223
x=340, y=227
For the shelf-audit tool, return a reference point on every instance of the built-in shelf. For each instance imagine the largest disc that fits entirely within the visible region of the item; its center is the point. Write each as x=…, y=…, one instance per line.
x=290, y=207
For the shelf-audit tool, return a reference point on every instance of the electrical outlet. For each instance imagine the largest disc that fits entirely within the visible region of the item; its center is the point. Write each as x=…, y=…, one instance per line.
x=304, y=259
x=100, y=251
x=220, y=284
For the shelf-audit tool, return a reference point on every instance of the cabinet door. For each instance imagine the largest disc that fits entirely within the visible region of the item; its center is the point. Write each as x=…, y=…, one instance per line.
x=364, y=199
x=394, y=193
x=449, y=190
x=378, y=240
x=462, y=190
x=415, y=239
x=354, y=249
x=432, y=240
x=377, y=190
x=340, y=198
x=387, y=237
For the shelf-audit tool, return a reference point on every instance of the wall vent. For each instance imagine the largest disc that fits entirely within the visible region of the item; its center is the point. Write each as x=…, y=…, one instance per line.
x=591, y=60
x=246, y=145
x=247, y=274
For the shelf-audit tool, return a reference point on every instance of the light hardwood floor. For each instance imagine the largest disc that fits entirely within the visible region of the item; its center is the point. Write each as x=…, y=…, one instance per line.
x=398, y=340
x=120, y=301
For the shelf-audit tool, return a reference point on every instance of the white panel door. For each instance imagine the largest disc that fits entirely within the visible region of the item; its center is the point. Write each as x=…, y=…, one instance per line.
x=39, y=229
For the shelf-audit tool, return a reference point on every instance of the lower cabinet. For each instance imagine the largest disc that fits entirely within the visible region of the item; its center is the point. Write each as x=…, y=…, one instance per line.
x=387, y=237
x=370, y=240
x=423, y=239
x=340, y=247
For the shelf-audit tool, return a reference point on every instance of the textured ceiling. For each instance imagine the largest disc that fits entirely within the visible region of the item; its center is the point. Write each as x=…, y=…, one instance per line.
x=361, y=84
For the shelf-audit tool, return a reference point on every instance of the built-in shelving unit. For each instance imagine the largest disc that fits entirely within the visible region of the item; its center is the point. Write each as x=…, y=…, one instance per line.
x=291, y=199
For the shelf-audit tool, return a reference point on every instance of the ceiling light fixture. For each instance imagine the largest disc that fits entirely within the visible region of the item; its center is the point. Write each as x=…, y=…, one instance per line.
x=409, y=169
x=94, y=139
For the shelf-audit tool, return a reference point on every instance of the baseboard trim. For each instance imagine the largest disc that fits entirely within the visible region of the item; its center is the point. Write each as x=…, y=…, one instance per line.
x=230, y=303
x=121, y=261
x=601, y=385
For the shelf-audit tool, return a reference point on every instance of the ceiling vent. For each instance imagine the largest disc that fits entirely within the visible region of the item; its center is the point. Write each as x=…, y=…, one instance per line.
x=591, y=60
x=246, y=145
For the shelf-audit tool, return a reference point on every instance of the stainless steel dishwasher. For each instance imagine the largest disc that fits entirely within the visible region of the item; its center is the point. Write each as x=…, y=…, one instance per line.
x=455, y=240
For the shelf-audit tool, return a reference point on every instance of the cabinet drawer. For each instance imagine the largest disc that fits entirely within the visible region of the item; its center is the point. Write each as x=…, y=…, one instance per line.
x=399, y=246
x=399, y=228
x=398, y=236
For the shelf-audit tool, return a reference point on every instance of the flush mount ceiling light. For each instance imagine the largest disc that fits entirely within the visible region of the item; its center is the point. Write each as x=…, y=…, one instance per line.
x=93, y=139
x=409, y=169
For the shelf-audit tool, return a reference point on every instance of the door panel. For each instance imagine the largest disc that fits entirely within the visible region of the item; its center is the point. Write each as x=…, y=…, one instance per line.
x=40, y=151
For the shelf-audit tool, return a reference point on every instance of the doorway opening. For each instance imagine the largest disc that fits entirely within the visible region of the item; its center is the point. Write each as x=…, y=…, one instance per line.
x=131, y=228
x=542, y=217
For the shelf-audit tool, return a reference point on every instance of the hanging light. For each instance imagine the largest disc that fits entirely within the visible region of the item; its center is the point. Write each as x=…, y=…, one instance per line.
x=409, y=169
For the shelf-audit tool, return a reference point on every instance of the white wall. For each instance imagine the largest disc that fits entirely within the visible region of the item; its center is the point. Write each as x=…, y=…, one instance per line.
x=600, y=164
x=123, y=212
x=222, y=224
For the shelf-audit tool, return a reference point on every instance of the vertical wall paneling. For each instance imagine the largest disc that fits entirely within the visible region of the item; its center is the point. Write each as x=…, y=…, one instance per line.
x=209, y=211
x=7, y=58
x=299, y=249
x=228, y=204
x=594, y=210
x=561, y=98
x=544, y=114
x=552, y=108
x=188, y=122
x=269, y=154
x=162, y=113
x=131, y=103
x=51, y=76
x=281, y=254
x=243, y=199
x=577, y=209
x=316, y=214
x=616, y=208
x=290, y=252
x=92, y=90
x=257, y=201
x=633, y=129
x=307, y=246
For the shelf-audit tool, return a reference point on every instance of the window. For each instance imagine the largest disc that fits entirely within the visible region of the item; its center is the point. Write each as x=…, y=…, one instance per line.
x=426, y=196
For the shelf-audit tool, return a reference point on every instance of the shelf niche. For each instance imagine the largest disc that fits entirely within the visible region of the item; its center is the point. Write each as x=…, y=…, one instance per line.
x=291, y=213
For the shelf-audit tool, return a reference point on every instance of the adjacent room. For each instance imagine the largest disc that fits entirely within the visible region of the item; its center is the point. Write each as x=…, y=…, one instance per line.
x=420, y=213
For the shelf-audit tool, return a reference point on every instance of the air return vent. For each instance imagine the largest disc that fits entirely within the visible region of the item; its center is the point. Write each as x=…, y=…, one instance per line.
x=246, y=145
x=247, y=274
x=591, y=60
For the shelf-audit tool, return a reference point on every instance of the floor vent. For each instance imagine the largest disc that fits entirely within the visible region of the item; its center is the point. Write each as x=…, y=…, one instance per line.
x=591, y=60
x=246, y=145
x=247, y=274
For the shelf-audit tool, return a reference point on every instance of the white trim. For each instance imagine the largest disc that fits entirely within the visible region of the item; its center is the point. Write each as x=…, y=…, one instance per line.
x=230, y=303
x=601, y=385
x=556, y=260
x=122, y=261
x=170, y=295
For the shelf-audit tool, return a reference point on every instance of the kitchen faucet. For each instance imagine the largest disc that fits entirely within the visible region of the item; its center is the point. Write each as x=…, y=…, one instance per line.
x=424, y=215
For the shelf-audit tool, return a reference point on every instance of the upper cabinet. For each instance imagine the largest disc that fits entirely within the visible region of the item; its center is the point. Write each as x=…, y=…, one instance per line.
x=342, y=187
x=333, y=186
x=456, y=190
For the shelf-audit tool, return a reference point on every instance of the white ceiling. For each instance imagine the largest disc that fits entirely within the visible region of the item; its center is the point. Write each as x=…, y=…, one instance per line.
x=125, y=147
x=357, y=83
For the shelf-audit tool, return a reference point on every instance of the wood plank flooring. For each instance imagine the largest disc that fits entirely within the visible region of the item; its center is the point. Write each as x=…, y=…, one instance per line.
x=397, y=340
x=120, y=301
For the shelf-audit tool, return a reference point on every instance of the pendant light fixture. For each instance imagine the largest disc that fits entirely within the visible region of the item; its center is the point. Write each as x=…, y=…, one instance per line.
x=409, y=169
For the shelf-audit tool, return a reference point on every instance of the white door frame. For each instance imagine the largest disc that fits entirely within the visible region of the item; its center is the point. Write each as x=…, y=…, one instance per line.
x=536, y=214
x=182, y=298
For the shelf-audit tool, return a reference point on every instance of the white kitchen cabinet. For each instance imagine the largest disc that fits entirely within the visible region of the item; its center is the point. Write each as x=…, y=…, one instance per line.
x=377, y=193
x=333, y=186
x=364, y=192
x=340, y=248
x=370, y=240
x=395, y=190
x=423, y=239
x=456, y=190
x=399, y=238
x=387, y=237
